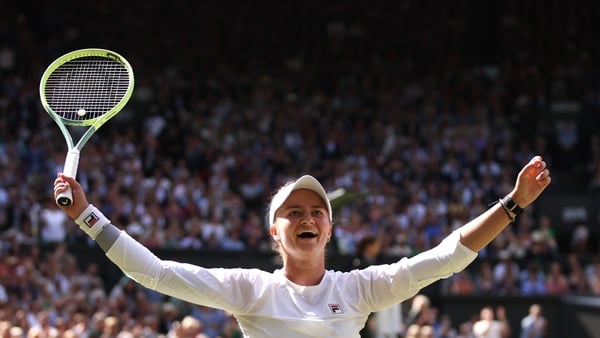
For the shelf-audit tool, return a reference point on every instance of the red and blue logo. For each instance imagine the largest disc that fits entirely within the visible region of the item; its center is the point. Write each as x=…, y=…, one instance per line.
x=335, y=309
x=90, y=220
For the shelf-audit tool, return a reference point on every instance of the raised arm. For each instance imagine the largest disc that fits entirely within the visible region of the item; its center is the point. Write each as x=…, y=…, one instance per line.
x=532, y=180
x=227, y=289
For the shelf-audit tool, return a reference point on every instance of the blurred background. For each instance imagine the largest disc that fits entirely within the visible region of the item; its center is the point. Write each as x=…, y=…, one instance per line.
x=423, y=112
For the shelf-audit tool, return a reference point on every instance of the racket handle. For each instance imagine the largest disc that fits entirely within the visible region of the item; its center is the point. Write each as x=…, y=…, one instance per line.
x=71, y=163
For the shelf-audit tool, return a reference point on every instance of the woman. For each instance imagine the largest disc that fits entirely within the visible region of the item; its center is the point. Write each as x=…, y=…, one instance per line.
x=303, y=299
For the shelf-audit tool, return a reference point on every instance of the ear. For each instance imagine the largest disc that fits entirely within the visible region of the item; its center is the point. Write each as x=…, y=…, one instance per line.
x=274, y=233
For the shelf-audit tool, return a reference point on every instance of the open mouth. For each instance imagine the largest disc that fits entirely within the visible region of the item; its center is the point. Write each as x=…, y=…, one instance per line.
x=307, y=234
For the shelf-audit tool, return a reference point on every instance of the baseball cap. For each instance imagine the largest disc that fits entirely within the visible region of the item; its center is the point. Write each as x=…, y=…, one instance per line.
x=304, y=182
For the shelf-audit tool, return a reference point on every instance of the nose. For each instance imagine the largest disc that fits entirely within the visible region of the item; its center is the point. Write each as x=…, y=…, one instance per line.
x=307, y=220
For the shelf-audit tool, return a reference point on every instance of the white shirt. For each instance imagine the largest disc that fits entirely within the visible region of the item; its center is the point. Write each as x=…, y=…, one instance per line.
x=389, y=321
x=269, y=305
x=487, y=329
x=54, y=225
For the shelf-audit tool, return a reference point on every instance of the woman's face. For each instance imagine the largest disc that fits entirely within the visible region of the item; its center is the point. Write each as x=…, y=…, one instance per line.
x=302, y=225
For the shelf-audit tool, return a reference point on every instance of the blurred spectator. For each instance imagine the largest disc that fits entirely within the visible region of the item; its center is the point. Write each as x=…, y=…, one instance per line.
x=445, y=329
x=3, y=294
x=492, y=325
x=368, y=252
x=465, y=329
x=15, y=332
x=592, y=273
x=556, y=280
x=508, y=284
x=169, y=315
x=111, y=327
x=89, y=279
x=521, y=241
x=233, y=240
x=576, y=275
x=213, y=229
x=484, y=279
x=125, y=295
x=534, y=325
x=547, y=236
x=580, y=238
x=53, y=222
x=386, y=323
x=419, y=320
x=400, y=246
x=532, y=280
x=43, y=327
x=79, y=325
x=188, y=327
x=193, y=238
x=231, y=329
x=568, y=140
x=506, y=265
x=462, y=283
x=212, y=320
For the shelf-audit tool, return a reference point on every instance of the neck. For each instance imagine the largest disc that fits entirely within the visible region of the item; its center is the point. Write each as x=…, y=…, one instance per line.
x=304, y=273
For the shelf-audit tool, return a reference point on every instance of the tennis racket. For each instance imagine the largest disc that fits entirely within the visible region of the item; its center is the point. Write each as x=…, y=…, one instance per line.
x=84, y=88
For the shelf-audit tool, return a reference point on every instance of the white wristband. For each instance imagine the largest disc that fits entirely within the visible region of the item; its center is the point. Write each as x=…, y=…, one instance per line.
x=92, y=221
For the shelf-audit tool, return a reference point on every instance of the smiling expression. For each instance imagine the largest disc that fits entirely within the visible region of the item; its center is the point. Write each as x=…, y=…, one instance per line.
x=302, y=223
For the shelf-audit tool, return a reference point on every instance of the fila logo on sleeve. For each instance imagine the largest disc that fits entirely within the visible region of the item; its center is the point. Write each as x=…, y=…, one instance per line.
x=335, y=309
x=91, y=219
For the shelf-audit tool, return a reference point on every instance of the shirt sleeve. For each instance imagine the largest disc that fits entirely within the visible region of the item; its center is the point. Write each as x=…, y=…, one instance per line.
x=227, y=289
x=442, y=261
x=381, y=286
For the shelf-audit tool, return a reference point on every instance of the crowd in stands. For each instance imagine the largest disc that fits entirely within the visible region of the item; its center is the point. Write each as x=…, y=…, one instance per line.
x=425, y=110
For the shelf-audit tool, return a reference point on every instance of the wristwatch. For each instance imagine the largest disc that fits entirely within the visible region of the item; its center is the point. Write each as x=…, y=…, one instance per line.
x=512, y=206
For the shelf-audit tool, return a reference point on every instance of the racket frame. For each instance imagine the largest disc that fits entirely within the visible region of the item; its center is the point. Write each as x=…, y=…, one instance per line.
x=74, y=149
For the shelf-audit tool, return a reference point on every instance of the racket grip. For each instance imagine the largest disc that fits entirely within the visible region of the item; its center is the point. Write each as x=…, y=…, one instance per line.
x=71, y=163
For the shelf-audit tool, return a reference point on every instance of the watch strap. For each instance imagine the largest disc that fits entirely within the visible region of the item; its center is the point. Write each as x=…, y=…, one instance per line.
x=512, y=206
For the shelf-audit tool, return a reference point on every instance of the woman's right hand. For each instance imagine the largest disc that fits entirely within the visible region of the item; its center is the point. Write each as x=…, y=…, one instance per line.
x=80, y=202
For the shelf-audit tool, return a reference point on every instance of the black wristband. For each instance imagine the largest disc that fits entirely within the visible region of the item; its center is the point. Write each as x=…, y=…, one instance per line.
x=511, y=205
x=508, y=214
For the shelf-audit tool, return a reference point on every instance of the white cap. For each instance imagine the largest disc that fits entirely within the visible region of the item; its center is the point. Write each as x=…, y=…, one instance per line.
x=304, y=182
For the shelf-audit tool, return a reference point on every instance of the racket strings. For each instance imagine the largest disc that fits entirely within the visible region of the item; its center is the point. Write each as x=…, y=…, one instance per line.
x=87, y=88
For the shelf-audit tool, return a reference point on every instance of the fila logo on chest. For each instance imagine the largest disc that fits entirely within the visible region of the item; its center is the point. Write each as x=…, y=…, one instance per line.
x=336, y=309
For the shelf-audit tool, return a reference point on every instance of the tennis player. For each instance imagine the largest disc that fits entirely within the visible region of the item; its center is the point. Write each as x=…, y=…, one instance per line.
x=303, y=298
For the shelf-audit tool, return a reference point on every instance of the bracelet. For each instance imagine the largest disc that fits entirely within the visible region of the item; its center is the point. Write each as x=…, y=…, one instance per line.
x=510, y=216
x=511, y=205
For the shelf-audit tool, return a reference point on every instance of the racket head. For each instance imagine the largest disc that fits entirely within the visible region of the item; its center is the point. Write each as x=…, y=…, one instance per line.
x=94, y=81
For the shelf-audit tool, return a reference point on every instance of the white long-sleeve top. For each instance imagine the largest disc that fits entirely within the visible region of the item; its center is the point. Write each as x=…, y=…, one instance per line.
x=269, y=305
